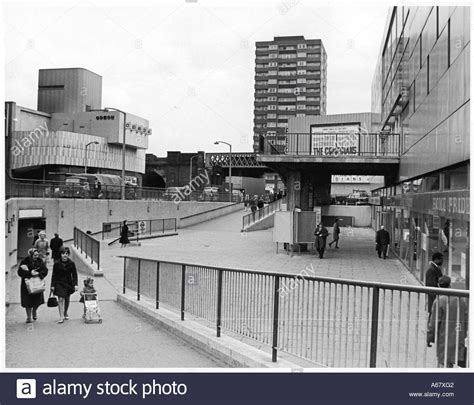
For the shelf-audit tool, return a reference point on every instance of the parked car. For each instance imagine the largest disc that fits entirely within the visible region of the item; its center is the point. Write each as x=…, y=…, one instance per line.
x=358, y=198
x=338, y=199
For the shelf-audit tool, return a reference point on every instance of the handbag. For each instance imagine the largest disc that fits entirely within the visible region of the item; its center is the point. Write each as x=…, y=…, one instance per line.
x=52, y=301
x=35, y=285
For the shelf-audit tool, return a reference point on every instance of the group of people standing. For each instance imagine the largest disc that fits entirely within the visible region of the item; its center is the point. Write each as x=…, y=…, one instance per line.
x=63, y=280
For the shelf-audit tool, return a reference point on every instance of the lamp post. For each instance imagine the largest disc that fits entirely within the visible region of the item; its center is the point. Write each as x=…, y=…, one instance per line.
x=87, y=145
x=123, y=146
x=191, y=168
x=230, y=166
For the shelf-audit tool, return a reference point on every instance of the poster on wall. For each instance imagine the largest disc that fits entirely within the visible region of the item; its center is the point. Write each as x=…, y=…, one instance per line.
x=337, y=140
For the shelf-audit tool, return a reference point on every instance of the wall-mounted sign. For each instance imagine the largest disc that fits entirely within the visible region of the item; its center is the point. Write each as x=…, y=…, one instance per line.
x=31, y=213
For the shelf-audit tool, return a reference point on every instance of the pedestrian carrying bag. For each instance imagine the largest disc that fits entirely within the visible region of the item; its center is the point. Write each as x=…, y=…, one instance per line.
x=52, y=301
x=35, y=285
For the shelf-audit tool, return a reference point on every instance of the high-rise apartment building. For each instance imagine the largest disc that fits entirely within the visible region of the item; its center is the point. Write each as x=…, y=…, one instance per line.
x=290, y=81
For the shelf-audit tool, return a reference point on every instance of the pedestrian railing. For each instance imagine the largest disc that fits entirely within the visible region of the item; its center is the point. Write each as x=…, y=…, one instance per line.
x=343, y=145
x=331, y=322
x=18, y=188
x=255, y=216
x=139, y=228
x=87, y=245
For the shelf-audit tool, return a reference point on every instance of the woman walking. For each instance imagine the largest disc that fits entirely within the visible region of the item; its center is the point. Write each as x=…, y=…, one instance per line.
x=64, y=282
x=31, y=266
x=42, y=245
x=124, y=235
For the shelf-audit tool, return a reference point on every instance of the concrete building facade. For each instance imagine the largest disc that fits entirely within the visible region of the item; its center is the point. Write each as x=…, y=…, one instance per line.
x=47, y=143
x=290, y=81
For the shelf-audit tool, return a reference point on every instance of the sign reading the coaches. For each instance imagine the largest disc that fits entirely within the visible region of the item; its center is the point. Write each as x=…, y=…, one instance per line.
x=335, y=140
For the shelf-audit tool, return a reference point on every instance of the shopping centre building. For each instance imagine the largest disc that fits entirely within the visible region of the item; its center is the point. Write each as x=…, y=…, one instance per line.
x=421, y=90
x=70, y=132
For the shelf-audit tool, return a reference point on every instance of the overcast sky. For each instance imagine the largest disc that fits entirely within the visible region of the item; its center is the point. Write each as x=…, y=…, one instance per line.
x=187, y=66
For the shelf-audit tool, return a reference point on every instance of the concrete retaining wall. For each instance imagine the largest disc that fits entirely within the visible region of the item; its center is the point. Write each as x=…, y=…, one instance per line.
x=61, y=215
x=83, y=265
x=225, y=348
x=361, y=213
x=264, y=223
x=208, y=215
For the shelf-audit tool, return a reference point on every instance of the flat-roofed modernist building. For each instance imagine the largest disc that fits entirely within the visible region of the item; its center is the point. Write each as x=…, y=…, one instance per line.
x=70, y=131
x=421, y=90
x=290, y=81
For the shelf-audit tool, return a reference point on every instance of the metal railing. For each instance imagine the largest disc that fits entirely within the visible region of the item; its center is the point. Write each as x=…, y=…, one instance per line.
x=88, y=245
x=334, y=145
x=59, y=189
x=253, y=217
x=331, y=322
x=139, y=228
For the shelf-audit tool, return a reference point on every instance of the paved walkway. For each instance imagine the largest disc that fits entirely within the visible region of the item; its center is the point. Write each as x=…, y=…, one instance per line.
x=220, y=243
x=122, y=340
x=125, y=340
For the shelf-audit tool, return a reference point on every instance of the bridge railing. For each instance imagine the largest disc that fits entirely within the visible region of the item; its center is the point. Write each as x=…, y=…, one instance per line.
x=329, y=321
x=333, y=145
x=88, y=245
x=253, y=217
x=139, y=228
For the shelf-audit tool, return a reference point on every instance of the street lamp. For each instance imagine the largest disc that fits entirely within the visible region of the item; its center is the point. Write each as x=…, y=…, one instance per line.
x=123, y=146
x=191, y=168
x=87, y=145
x=230, y=166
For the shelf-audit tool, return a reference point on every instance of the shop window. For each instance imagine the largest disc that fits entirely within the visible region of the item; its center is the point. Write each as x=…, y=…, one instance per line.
x=416, y=185
x=406, y=187
x=456, y=178
x=430, y=183
x=455, y=245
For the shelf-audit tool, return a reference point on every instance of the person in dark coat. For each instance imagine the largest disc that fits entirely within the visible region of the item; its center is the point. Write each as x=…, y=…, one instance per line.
x=253, y=207
x=433, y=275
x=64, y=282
x=382, y=241
x=36, y=237
x=321, y=234
x=124, y=235
x=335, y=233
x=56, y=244
x=31, y=266
x=449, y=325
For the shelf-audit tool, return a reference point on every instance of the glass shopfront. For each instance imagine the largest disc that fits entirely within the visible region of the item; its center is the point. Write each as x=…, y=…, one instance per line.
x=423, y=218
